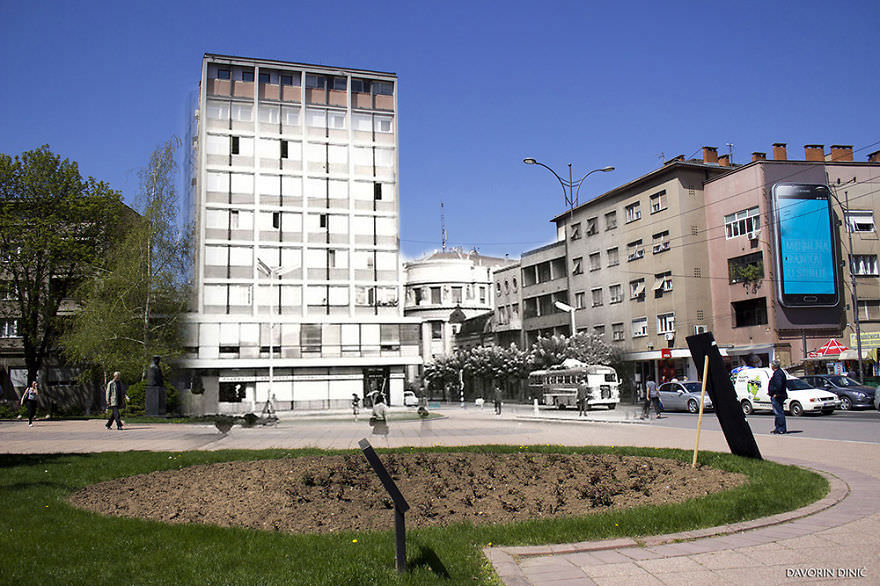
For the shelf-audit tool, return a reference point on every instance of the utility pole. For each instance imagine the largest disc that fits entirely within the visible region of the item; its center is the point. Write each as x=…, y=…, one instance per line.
x=443, y=226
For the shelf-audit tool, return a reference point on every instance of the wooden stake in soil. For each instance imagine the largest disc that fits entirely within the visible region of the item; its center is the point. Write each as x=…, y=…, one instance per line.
x=400, y=504
x=700, y=418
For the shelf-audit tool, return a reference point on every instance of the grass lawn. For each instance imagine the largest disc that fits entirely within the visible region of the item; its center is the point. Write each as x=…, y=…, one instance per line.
x=43, y=540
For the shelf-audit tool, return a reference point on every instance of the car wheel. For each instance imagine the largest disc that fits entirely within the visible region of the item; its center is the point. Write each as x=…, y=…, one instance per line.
x=692, y=406
x=795, y=409
x=747, y=407
x=611, y=407
x=845, y=403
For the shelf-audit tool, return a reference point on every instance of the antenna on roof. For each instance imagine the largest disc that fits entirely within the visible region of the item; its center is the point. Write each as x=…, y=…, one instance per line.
x=443, y=226
x=730, y=149
x=662, y=156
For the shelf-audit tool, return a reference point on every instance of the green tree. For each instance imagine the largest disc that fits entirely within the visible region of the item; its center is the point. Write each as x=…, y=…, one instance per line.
x=134, y=309
x=55, y=229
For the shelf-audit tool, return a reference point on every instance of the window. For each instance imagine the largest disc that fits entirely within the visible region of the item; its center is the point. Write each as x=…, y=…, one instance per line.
x=483, y=293
x=658, y=202
x=592, y=226
x=276, y=219
x=247, y=76
x=264, y=78
x=615, y=294
x=742, y=222
x=597, y=297
x=640, y=327
x=599, y=331
x=457, y=294
x=360, y=86
x=310, y=337
x=860, y=221
x=436, y=330
x=869, y=309
x=666, y=323
x=234, y=146
x=579, y=300
x=633, y=212
x=515, y=309
x=752, y=312
x=223, y=74
x=8, y=328
x=336, y=120
x=634, y=250
x=863, y=264
x=749, y=267
x=611, y=220
x=595, y=262
x=290, y=79
x=617, y=332
x=637, y=289
x=435, y=295
x=7, y=291
x=316, y=81
x=613, y=257
x=382, y=88
x=575, y=231
x=661, y=242
x=283, y=149
x=340, y=84
x=383, y=124
x=577, y=269
x=662, y=284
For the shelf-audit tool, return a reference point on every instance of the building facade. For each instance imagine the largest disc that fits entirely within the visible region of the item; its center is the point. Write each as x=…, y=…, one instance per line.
x=748, y=321
x=633, y=264
x=295, y=200
x=444, y=282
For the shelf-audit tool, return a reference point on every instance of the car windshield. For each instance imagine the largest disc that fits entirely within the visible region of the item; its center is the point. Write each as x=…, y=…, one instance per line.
x=843, y=381
x=796, y=384
x=692, y=387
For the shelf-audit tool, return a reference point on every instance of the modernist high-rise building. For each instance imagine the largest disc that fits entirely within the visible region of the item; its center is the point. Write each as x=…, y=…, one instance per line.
x=295, y=200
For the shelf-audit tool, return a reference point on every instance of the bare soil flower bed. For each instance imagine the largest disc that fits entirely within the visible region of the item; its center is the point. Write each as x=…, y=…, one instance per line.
x=326, y=494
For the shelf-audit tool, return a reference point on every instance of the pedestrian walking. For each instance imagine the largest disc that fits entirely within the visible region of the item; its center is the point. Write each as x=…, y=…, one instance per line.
x=116, y=399
x=379, y=418
x=30, y=397
x=497, y=398
x=778, y=395
x=652, y=399
x=355, y=404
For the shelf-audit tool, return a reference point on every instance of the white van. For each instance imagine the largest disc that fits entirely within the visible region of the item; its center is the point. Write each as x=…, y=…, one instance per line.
x=750, y=385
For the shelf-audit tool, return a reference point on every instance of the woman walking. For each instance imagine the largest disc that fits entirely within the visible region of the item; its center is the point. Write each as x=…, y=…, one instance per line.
x=30, y=395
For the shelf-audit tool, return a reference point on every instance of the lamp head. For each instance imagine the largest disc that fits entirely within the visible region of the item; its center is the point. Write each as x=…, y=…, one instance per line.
x=606, y=169
x=530, y=161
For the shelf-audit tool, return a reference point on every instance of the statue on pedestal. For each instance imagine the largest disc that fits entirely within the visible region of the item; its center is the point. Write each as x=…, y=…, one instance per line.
x=155, y=390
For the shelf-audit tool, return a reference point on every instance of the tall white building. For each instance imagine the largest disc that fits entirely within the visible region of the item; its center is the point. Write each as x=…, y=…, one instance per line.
x=296, y=206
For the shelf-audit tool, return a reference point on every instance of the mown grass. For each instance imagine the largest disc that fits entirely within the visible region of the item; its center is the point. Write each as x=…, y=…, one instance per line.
x=44, y=540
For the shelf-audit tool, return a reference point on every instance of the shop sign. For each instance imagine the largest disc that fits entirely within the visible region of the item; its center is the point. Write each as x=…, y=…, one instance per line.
x=665, y=353
x=869, y=340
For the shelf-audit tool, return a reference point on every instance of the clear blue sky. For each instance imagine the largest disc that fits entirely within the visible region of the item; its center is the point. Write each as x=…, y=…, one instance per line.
x=481, y=86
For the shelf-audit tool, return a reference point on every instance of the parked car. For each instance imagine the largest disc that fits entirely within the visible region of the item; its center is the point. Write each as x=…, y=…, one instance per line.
x=410, y=399
x=683, y=396
x=751, y=391
x=849, y=391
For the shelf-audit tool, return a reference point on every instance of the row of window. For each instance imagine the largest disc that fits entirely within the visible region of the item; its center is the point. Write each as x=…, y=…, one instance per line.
x=243, y=220
x=638, y=327
x=324, y=153
x=313, y=81
x=222, y=112
x=632, y=212
x=748, y=222
x=293, y=258
x=446, y=295
x=292, y=296
x=507, y=313
x=292, y=186
x=634, y=251
x=637, y=288
x=8, y=328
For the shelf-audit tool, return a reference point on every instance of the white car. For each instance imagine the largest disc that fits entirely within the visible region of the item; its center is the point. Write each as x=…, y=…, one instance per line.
x=751, y=391
x=410, y=399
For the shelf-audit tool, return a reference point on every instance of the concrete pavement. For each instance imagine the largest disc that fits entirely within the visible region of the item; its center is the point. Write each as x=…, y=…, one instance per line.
x=836, y=540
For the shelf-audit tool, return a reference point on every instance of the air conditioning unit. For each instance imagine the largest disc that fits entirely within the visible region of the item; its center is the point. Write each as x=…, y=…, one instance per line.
x=753, y=235
x=670, y=336
x=700, y=329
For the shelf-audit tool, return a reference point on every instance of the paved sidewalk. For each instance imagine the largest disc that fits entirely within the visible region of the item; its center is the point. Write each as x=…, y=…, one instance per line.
x=836, y=540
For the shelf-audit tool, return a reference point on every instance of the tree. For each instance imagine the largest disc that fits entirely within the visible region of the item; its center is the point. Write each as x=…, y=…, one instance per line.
x=134, y=309
x=55, y=230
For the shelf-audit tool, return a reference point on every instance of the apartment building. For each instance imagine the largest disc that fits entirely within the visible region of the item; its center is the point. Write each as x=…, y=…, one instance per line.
x=446, y=287
x=633, y=264
x=508, y=301
x=296, y=206
x=748, y=321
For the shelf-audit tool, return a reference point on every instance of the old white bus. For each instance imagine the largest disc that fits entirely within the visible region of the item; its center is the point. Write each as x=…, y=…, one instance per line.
x=558, y=386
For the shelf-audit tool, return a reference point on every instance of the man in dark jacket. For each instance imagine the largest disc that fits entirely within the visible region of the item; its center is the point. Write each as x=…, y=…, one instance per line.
x=115, y=397
x=778, y=395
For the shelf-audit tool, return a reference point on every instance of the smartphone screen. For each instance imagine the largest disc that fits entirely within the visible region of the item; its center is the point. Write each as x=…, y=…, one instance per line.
x=805, y=246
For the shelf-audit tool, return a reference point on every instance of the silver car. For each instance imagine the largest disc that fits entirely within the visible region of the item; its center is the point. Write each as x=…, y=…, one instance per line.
x=683, y=396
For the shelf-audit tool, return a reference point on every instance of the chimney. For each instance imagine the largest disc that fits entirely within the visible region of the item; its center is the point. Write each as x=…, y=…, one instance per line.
x=814, y=152
x=874, y=157
x=756, y=156
x=724, y=160
x=710, y=155
x=779, y=153
x=842, y=152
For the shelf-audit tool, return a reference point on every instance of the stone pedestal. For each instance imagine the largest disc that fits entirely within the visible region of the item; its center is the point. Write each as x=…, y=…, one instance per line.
x=154, y=401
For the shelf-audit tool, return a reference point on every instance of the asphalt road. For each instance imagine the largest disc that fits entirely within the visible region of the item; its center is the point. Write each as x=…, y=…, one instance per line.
x=855, y=426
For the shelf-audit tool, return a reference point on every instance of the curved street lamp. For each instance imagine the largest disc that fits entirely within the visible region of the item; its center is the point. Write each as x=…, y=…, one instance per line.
x=571, y=188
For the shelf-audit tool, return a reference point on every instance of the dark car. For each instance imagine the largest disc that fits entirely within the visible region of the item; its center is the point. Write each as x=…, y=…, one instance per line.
x=849, y=391
x=682, y=396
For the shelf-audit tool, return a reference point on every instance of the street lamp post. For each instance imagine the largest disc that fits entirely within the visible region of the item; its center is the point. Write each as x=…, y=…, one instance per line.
x=273, y=273
x=567, y=308
x=571, y=190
